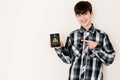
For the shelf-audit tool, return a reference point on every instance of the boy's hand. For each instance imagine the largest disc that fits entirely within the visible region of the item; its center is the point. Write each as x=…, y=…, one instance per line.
x=91, y=44
x=61, y=44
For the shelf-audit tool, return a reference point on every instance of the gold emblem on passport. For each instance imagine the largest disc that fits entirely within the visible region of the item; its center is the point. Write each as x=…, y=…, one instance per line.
x=55, y=40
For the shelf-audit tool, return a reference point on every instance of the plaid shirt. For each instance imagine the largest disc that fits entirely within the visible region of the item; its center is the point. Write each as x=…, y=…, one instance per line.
x=73, y=51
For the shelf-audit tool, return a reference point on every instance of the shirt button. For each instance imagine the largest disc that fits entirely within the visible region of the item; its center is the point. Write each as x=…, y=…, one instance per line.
x=84, y=68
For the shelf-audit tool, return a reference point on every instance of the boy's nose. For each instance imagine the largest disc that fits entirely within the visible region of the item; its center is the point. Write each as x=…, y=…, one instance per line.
x=82, y=17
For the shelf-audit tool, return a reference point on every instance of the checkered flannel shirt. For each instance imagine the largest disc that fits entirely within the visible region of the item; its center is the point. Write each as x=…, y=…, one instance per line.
x=73, y=50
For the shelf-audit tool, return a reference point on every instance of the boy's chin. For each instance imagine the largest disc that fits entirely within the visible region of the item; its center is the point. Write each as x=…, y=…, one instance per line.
x=84, y=25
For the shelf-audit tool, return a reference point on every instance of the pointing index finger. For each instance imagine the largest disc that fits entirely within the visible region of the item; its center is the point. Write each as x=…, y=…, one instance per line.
x=84, y=40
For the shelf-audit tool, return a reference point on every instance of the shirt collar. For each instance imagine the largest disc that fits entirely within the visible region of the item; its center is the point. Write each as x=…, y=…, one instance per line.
x=91, y=29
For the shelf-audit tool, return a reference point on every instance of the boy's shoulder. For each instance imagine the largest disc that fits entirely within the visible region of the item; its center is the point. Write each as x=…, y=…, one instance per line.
x=100, y=31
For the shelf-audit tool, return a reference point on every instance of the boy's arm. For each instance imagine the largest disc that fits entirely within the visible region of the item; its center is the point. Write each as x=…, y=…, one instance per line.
x=105, y=52
x=67, y=53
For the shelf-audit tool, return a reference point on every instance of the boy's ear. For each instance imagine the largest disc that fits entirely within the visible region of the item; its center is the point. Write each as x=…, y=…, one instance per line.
x=91, y=14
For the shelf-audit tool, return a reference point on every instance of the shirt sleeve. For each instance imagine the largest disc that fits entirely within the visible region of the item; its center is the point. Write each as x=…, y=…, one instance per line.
x=105, y=52
x=67, y=53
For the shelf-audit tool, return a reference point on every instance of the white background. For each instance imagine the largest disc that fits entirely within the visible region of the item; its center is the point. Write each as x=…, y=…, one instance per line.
x=25, y=25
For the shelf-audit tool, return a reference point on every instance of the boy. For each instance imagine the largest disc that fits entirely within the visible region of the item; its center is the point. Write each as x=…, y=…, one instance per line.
x=87, y=48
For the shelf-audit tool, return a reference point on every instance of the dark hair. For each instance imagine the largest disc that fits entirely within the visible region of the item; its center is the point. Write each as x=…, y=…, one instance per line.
x=82, y=7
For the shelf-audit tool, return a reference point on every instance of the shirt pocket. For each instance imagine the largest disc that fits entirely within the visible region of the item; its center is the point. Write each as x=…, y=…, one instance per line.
x=77, y=50
x=94, y=57
x=92, y=54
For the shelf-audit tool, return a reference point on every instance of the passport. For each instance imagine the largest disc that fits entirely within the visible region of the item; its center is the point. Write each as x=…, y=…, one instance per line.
x=55, y=39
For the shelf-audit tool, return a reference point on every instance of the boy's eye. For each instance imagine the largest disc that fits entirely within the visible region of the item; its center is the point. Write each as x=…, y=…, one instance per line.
x=85, y=13
x=82, y=14
x=79, y=15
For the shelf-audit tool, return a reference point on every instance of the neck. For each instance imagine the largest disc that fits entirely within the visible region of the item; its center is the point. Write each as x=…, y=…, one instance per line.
x=88, y=26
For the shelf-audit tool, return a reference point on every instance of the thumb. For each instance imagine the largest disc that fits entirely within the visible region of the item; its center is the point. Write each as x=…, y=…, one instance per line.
x=84, y=40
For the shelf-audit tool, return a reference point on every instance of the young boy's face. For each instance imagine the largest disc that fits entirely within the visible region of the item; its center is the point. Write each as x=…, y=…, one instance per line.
x=85, y=19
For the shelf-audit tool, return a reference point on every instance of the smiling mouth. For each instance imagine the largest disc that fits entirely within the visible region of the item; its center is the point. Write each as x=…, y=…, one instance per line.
x=84, y=21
